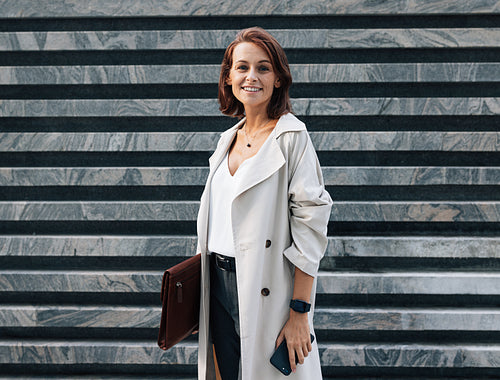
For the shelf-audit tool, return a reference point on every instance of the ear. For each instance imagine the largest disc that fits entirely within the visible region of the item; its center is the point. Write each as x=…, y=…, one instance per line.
x=277, y=83
x=229, y=82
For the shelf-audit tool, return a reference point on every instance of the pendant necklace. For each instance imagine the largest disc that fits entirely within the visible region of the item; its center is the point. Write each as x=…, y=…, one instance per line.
x=249, y=145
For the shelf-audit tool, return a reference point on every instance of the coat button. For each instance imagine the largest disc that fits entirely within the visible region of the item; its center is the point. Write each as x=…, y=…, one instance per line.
x=268, y=243
x=265, y=292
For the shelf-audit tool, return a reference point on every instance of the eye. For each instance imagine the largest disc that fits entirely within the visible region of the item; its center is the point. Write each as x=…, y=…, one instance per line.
x=264, y=68
x=241, y=67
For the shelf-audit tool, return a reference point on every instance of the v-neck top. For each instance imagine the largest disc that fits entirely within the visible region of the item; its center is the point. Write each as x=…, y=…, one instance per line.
x=222, y=193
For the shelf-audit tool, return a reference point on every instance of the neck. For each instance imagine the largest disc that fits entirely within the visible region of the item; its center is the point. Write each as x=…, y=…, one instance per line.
x=254, y=121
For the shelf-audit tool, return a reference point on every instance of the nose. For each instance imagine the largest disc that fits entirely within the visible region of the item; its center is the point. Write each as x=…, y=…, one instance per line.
x=252, y=74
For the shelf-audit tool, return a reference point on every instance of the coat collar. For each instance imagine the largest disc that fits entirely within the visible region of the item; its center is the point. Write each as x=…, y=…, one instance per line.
x=271, y=157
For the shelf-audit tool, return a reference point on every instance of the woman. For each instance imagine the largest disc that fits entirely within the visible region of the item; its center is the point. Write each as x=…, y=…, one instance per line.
x=261, y=224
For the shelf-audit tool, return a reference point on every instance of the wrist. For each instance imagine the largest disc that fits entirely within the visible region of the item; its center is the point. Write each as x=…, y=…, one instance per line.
x=300, y=306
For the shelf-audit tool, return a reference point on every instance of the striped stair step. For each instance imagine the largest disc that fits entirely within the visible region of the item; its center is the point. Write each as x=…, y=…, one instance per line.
x=325, y=318
x=25, y=9
x=209, y=107
x=301, y=73
x=196, y=176
x=331, y=354
x=185, y=246
x=342, y=211
x=219, y=39
x=345, y=282
x=207, y=141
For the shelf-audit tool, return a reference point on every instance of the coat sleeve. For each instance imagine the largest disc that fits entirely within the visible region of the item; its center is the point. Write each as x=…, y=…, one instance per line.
x=309, y=205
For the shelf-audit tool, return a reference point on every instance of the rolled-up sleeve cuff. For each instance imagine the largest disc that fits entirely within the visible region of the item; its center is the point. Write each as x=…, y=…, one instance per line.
x=301, y=261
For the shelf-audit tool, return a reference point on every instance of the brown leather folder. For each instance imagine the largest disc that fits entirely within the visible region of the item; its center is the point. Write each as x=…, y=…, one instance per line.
x=180, y=296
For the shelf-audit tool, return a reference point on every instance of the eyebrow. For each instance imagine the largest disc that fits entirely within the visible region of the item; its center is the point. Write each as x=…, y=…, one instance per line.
x=244, y=61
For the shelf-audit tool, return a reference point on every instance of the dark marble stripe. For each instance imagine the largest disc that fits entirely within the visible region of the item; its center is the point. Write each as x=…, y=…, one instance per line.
x=207, y=141
x=89, y=8
x=209, y=107
x=306, y=73
x=219, y=39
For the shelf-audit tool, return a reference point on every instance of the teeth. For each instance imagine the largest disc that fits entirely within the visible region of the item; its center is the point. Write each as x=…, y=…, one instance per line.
x=252, y=89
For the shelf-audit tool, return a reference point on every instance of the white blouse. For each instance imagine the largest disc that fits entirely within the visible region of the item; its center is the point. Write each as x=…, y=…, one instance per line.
x=222, y=188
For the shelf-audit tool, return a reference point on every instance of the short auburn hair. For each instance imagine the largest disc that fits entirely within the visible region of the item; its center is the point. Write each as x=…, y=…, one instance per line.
x=279, y=103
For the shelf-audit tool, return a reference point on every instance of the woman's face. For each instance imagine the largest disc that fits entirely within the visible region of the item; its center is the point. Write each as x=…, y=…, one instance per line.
x=252, y=77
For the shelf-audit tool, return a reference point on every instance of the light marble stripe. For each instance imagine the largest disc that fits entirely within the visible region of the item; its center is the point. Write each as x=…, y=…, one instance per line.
x=301, y=73
x=185, y=246
x=89, y=281
x=207, y=141
x=35, y=352
x=332, y=354
x=450, y=283
x=409, y=246
x=196, y=176
x=410, y=355
x=407, y=319
x=220, y=39
x=98, y=246
x=343, y=211
x=398, y=282
x=123, y=8
x=209, y=107
x=392, y=319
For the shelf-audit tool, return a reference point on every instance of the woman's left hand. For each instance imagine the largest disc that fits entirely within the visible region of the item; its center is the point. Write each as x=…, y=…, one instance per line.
x=298, y=339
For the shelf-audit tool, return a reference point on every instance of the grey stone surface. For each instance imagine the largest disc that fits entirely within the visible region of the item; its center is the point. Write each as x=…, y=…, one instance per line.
x=407, y=319
x=131, y=176
x=98, y=246
x=416, y=211
x=207, y=141
x=409, y=246
x=196, y=176
x=358, y=318
x=387, y=211
x=100, y=210
x=446, y=283
x=340, y=354
x=98, y=8
x=94, y=352
x=301, y=73
x=209, y=107
x=80, y=316
x=85, y=281
x=185, y=246
x=413, y=355
x=411, y=282
x=220, y=39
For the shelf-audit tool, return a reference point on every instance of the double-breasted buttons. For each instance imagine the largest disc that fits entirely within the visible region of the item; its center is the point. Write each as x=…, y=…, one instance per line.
x=268, y=243
x=265, y=292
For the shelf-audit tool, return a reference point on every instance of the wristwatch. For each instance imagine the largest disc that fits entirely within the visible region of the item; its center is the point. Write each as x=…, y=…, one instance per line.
x=300, y=306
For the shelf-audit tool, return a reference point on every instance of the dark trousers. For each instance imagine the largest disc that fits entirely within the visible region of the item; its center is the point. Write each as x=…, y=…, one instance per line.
x=224, y=320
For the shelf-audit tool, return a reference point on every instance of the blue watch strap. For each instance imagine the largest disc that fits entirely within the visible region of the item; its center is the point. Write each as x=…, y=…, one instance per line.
x=300, y=306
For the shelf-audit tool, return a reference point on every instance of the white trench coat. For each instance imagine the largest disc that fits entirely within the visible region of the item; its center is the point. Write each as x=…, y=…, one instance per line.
x=279, y=219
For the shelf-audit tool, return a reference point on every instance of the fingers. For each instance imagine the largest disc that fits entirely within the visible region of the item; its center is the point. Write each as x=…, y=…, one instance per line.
x=280, y=338
x=291, y=357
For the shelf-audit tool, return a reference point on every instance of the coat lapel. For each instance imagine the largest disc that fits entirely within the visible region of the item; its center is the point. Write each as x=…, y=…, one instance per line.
x=270, y=160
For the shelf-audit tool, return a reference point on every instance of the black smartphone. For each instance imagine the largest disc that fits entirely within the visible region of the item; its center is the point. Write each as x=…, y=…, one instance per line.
x=280, y=358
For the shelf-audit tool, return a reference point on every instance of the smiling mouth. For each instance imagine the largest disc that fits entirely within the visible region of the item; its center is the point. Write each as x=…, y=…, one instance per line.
x=251, y=89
